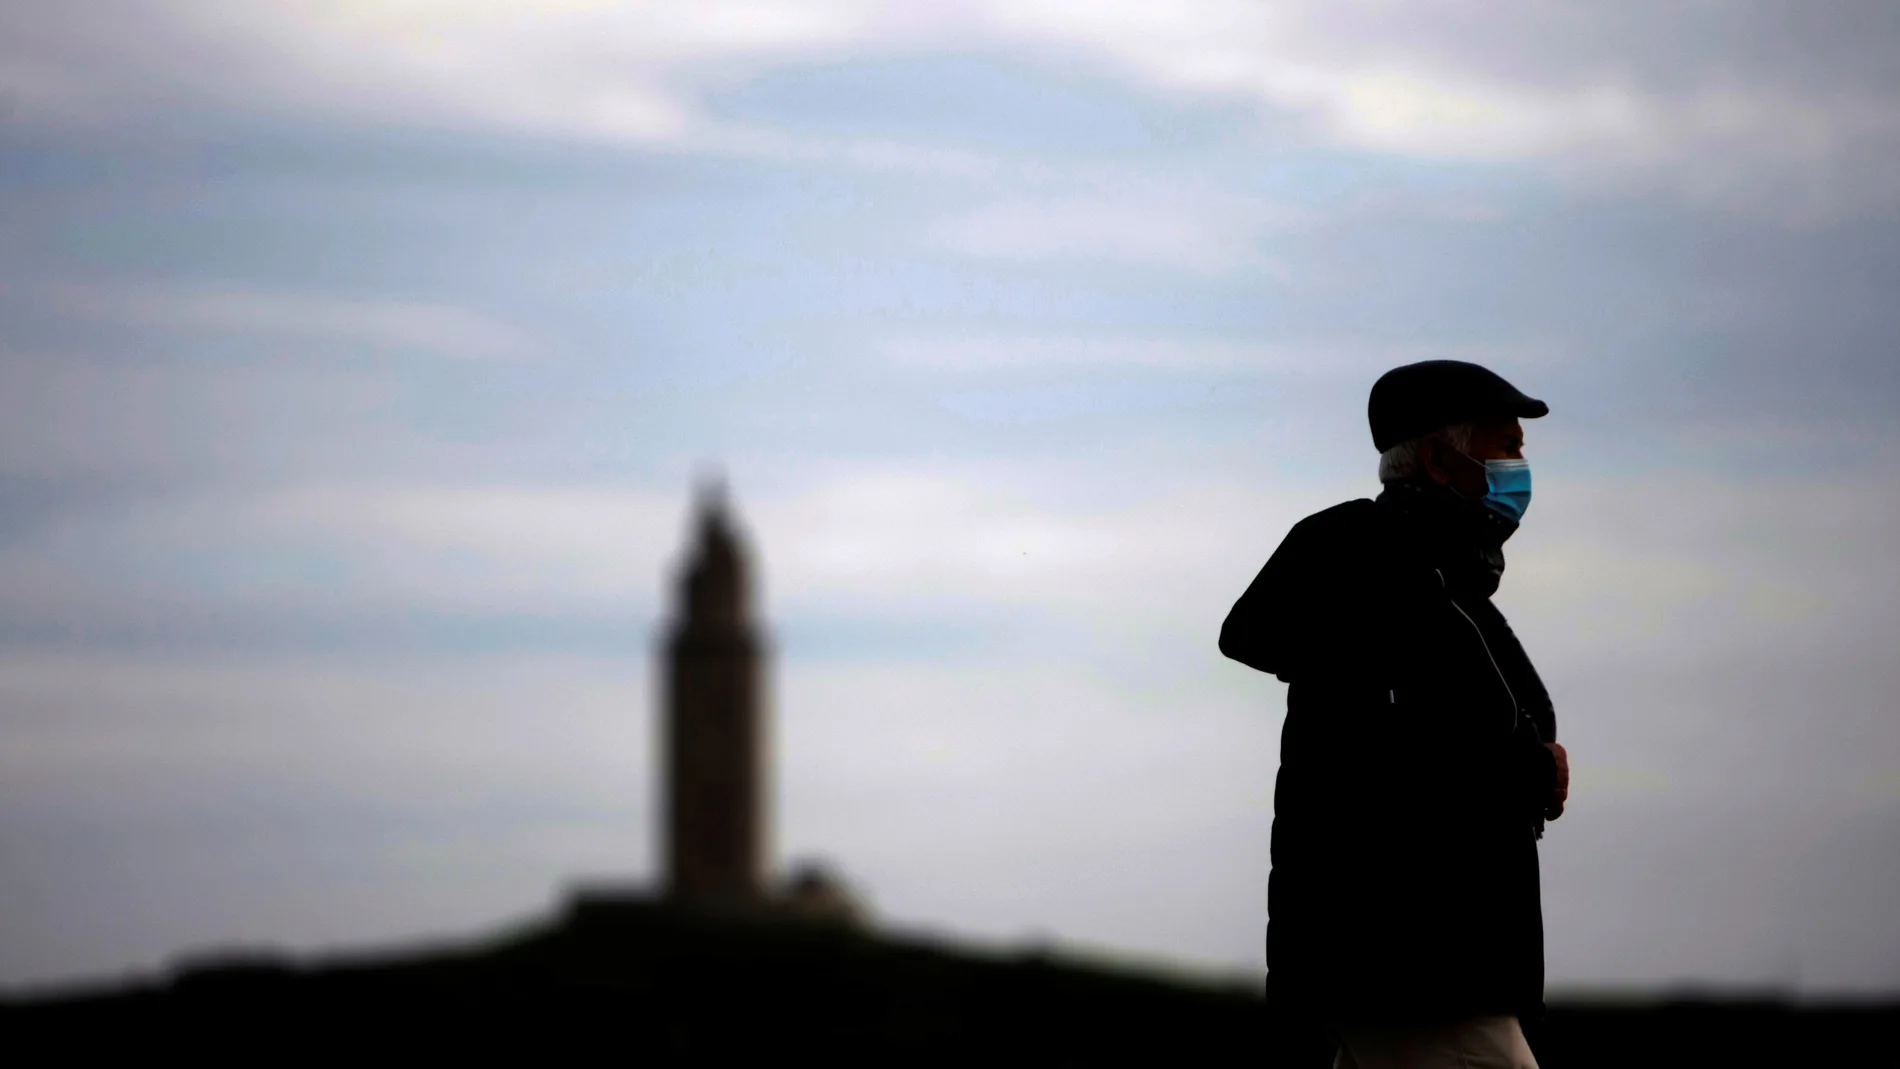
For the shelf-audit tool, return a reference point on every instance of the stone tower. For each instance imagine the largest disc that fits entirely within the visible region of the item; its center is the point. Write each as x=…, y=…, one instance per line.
x=714, y=722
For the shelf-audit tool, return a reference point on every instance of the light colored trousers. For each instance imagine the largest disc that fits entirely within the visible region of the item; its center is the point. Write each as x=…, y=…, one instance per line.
x=1476, y=1043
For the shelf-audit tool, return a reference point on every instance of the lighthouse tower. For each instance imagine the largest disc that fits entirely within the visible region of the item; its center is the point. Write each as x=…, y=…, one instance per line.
x=714, y=722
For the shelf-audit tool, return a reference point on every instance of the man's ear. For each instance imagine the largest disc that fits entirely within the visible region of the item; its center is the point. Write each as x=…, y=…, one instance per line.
x=1432, y=460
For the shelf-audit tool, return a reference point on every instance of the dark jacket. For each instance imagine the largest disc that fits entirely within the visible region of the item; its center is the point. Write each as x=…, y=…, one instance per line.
x=1412, y=772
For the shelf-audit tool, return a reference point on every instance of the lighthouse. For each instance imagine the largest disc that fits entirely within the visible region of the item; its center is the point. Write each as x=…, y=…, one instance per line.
x=714, y=721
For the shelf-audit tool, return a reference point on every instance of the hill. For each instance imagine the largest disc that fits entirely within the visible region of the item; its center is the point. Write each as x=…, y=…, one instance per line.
x=641, y=982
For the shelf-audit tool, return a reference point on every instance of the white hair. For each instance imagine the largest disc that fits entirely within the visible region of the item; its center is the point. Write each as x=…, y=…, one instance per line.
x=1400, y=462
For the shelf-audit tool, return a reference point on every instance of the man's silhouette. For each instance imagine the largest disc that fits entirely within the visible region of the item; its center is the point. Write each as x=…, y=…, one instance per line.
x=1418, y=761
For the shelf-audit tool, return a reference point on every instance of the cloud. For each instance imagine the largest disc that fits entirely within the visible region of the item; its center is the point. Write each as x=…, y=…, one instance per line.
x=87, y=419
x=1710, y=564
x=1726, y=106
x=374, y=324
x=1057, y=801
x=154, y=806
x=1750, y=105
x=575, y=67
x=579, y=541
x=435, y=328
x=1205, y=232
x=909, y=535
x=978, y=355
x=346, y=556
x=421, y=734
x=869, y=539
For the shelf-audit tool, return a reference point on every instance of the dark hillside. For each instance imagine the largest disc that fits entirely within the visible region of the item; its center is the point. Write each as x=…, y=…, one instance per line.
x=666, y=986
x=642, y=983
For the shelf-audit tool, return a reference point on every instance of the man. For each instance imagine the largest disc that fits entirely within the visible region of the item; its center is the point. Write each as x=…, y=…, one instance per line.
x=1418, y=761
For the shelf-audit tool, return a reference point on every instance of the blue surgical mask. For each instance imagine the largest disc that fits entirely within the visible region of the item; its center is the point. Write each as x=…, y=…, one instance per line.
x=1508, y=488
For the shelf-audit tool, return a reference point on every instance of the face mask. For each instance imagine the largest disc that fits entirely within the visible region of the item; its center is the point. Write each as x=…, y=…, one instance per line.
x=1508, y=488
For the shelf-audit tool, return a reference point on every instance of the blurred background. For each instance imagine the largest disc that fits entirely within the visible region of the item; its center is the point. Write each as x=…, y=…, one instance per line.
x=357, y=360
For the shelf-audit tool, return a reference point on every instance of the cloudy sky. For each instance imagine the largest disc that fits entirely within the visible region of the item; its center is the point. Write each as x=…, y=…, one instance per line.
x=357, y=359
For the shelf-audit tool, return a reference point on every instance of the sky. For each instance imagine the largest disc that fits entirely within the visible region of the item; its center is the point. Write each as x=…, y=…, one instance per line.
x=358, y=360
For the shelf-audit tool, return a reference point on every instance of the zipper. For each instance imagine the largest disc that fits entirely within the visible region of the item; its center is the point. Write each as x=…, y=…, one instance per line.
x=1508, y=692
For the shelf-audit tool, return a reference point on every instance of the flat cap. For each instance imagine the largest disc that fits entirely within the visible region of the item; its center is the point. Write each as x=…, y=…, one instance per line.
x=1418, y=398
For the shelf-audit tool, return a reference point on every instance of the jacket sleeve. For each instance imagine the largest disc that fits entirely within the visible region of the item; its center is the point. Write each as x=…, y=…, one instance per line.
x=1317, y=608
x=1250, y=633
x=1260, y=630
x=1536, y=769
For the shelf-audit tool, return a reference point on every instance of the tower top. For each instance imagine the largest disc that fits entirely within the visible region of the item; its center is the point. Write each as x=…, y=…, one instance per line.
x=716, y=585
x=712, y=492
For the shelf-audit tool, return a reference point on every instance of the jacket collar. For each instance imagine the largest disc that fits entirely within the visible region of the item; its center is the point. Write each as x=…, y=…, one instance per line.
x=1462, y=539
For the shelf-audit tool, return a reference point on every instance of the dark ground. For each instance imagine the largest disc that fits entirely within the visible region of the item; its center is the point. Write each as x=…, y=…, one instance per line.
x=634, y=982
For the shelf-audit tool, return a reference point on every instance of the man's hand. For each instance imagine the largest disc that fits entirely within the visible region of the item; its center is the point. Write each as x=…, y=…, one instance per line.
x=1560, y=793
